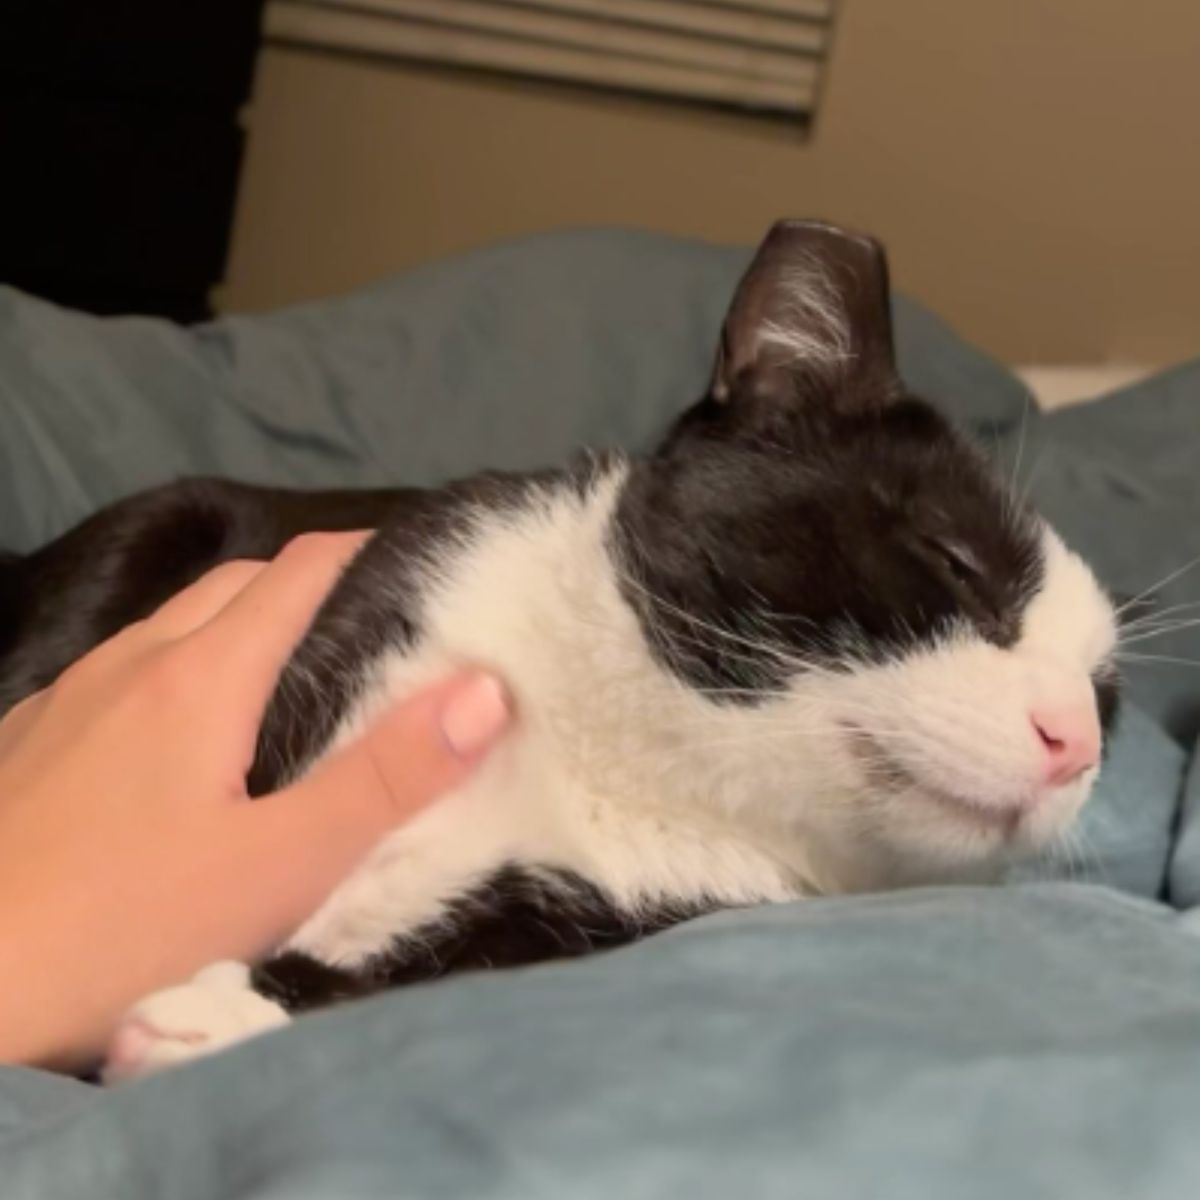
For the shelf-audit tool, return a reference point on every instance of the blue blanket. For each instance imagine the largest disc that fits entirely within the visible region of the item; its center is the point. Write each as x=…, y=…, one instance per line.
x=1040, y=1039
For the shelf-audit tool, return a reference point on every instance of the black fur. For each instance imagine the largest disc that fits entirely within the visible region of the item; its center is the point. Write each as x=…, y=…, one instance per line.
x=834, y=514
x=1107, y=686
x=519, y=916
x=11, y=603
x=717, y=526
x=123, y=562
x=811, y=508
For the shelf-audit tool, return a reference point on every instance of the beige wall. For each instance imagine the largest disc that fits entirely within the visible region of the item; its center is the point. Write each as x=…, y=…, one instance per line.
x=1034, y=166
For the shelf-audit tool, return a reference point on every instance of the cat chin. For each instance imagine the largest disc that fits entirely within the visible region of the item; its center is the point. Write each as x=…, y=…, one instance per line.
x=934, y=837
x=1014, y=818
x=906, y=831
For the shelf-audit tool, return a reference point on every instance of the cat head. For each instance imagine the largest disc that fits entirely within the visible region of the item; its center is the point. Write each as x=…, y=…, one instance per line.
x=819, y=553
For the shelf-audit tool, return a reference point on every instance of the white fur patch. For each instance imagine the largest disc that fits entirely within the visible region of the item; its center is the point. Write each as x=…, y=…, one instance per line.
x=216, y=1008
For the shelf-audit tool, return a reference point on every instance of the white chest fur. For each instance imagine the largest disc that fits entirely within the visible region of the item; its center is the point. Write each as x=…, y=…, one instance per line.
x=601, y=777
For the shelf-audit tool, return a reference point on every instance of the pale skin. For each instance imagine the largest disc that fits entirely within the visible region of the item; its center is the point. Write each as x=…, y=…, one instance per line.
x=130, y=855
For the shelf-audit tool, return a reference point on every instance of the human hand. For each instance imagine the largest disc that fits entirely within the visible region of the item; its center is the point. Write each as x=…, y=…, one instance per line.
x=130, y=853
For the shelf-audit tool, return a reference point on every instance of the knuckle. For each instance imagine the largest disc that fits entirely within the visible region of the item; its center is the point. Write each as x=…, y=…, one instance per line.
x=235, y=570
x=166, y=677
x=77, y=679
x=312, y=547
x=79, y=670
x=238, y=566
x=100, y=661
x=135, y=628
x=310, y=543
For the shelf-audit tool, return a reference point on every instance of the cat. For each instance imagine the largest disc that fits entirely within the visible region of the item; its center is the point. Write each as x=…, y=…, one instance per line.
x=809, y=645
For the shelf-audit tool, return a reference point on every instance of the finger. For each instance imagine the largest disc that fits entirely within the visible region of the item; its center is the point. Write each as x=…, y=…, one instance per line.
x=313, y=833
x=408, y=757
x=196, y=605
x=174, y=620
x=250, y=639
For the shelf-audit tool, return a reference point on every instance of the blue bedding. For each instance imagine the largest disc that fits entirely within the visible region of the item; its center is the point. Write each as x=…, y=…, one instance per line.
x=1038, y=1039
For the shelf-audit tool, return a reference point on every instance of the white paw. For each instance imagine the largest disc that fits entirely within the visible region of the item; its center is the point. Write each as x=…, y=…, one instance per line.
x=218, y=1007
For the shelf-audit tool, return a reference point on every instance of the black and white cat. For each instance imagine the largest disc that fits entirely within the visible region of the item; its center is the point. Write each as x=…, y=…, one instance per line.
x=810, y=645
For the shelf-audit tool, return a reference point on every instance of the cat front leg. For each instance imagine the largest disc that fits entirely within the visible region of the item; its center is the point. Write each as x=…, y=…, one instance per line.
x=215, y=1009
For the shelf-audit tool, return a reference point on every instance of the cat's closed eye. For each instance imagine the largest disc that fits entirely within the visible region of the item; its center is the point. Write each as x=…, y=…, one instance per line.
x=954, y=562
x=964, y=576
x=960, y=562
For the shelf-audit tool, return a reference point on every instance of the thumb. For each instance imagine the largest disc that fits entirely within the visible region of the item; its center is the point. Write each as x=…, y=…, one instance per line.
x=409, y=757
x=314, y=832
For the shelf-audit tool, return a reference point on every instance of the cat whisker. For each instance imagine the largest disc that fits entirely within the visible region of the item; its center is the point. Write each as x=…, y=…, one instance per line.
x=756, y=739
x=1016, y=470
x=1158, y=658
x=1162, y=583
x=1078, y=855
x=1146, y=634
x=1164, y=613
x=759, y=647
x=1031, y=479
x=762, y=648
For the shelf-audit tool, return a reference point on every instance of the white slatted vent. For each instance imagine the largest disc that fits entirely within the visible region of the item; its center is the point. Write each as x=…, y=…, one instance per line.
x=764, y=56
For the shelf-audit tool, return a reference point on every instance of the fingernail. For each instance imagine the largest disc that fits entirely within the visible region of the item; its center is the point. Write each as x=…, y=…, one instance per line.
x=475, y=715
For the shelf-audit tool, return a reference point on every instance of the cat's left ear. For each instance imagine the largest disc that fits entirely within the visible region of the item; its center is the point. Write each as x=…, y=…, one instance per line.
x=810, y=323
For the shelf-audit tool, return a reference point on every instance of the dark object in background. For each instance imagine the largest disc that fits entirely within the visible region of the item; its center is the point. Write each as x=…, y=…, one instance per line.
x=120, y=149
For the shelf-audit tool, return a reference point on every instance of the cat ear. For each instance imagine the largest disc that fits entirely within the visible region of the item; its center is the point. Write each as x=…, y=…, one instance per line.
x=811, y=322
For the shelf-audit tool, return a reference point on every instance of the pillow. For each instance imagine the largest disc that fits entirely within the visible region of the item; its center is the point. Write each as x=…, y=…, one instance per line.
x=508, y=357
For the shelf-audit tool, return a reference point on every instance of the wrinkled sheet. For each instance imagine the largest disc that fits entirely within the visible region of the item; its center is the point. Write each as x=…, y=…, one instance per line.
x=1034, y=1041
x=1040, y=1039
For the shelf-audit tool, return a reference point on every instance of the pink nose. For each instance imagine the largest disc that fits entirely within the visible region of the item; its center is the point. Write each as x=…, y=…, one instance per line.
x=1070, y=738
